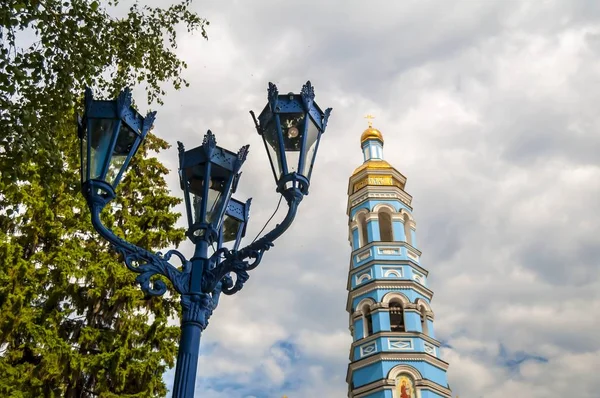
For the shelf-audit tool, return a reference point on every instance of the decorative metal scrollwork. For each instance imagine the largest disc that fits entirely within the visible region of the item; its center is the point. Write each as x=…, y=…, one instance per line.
x=218, y=272
x=150, y=265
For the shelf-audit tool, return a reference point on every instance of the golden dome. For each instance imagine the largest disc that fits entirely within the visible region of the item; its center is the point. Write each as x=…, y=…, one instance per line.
x=371, y=134
x=373, y=164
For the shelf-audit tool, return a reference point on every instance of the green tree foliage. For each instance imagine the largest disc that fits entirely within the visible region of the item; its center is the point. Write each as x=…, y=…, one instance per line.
x=73, y=323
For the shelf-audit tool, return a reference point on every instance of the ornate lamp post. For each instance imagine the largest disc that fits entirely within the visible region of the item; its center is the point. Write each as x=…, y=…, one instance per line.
x=111, y=132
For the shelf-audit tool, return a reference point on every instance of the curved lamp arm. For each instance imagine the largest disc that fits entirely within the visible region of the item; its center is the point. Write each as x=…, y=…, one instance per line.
x=236, y=261
x=148, y=264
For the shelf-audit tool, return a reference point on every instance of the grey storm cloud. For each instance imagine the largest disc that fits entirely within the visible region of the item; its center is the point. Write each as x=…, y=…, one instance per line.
x=489, y=109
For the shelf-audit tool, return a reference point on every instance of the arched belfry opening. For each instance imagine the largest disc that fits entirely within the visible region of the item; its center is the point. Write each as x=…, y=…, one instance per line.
x=386, y=233
x=397, y=317
x=407, y=231
x=424, y=325
x=363, y=231
x=367, y=320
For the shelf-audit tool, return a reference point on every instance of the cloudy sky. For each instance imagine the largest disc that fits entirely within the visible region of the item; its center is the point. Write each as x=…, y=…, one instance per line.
x=490, y=108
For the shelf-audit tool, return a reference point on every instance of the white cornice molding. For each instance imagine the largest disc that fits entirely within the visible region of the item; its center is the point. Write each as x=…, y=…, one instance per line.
x=388, y=384
x=378, y=192
x=412, y=334
x=371, y=263
x=382, y=244
x=372, y=217
x=395, y=357
x=398, y=357
x=383, y=206
x=397, y=284
x=409, y=263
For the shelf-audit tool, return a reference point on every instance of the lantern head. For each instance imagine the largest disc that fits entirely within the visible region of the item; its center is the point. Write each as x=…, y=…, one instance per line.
x=110, y=133
x=208, y=175
x=291, y=126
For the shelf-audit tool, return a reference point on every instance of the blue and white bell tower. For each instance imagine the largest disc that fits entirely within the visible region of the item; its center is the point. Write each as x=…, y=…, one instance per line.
x=394, y=353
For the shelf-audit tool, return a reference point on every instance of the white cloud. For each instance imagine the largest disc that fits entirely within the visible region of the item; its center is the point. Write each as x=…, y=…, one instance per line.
x=324, y=345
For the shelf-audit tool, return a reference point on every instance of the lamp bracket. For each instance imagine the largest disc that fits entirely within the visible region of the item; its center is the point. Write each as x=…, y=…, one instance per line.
x=308, y=95
x=224, y=261
x=144, y=262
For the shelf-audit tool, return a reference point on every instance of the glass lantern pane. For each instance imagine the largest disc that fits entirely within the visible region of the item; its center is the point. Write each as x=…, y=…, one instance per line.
x=292, y=127
x=123, y=146
x=215, y=193
x=100, y=136
x=195, y=184
x=218, y=211
x=196, y=206
x=271, y=138
x=312, y=136
x=196, y=203
x=213, y=202
x=231, y=227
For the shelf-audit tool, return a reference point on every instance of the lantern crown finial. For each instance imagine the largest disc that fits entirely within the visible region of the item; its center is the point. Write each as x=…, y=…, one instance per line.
x=209, y=139
x=308, y=94
x=272, y=96
x=242, y=154
x=209, y=143
x=149, y=120
x=124, y=101
x=326, y=117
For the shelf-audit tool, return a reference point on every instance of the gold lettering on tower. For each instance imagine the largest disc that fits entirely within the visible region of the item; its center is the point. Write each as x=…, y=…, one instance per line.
x=376, y=180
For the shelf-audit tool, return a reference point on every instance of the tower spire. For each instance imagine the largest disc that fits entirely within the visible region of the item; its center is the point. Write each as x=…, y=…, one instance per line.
x=371, y=141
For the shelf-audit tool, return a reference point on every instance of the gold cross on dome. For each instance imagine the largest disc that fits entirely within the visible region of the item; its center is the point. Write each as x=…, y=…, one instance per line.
x=370, y=118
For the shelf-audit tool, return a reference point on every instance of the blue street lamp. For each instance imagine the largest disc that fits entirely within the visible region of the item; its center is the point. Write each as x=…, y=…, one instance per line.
x=111, y=132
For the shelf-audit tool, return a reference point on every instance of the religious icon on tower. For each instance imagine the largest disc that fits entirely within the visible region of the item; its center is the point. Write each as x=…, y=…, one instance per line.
x=405, y=387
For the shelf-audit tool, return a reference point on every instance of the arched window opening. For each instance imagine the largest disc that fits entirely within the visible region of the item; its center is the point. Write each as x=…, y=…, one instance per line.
x=362, y=225
x=424, y=324
x=367, y=321
x=385, y=226
x=407, y=231
x=396, y=317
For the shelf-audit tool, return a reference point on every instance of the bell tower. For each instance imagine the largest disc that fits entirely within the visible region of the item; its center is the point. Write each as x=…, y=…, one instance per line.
x=394, y=353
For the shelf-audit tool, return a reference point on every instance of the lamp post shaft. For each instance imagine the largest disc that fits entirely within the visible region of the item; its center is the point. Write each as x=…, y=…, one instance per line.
x=196, y=309
x=187, y=360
